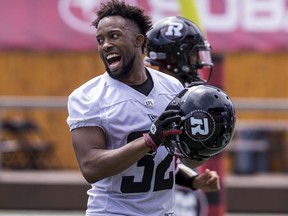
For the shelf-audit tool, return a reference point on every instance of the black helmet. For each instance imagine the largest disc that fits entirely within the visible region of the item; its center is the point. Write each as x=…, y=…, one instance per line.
x=177, y=44
x=208, y=122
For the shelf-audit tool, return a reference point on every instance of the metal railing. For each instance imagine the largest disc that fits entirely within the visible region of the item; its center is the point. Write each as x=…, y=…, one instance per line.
x=60, y=102
x=48, y=102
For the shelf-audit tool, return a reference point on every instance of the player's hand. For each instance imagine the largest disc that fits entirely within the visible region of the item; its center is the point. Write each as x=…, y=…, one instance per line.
x=208, y=181
x=160, y=129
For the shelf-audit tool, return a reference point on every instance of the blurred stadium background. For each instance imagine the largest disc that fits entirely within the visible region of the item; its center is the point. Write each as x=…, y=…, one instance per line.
x=76, y=213
x=48, y=48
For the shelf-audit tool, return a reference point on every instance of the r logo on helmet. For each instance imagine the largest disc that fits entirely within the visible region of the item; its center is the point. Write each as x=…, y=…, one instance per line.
x=173, y=30
x=200, y=125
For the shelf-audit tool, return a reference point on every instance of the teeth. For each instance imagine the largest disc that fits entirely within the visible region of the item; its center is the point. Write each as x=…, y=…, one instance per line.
x=111, y=56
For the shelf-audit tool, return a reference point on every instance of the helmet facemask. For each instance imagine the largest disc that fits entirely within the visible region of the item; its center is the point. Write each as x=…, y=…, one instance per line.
x=195, y=59
x=179, y=148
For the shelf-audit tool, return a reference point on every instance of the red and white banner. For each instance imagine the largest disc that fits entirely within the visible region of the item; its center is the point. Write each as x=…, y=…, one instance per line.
x=230, y=25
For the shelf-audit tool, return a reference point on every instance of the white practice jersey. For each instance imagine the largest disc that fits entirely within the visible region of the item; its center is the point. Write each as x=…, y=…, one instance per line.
x=147, y=187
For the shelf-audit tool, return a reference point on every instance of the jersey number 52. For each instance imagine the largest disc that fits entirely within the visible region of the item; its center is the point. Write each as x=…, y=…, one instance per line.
x=128, y=184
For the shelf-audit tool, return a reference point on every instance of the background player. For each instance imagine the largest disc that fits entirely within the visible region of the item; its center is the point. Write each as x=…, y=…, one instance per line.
x=178, y=47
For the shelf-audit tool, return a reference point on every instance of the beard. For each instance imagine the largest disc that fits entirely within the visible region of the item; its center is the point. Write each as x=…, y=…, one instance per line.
x=125, y=71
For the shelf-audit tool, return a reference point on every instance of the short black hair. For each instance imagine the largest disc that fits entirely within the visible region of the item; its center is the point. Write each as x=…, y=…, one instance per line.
x=133, y=13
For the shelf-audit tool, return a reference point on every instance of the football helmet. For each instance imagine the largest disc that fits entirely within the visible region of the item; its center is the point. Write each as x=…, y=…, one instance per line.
x=178, y=45
x=208, y=122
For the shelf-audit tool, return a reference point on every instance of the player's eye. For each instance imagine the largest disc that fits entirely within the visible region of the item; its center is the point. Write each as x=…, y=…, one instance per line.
x=100, y=40
x=115, y=35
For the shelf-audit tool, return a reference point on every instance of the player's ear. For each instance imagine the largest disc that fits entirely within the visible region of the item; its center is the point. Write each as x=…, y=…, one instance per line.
x=139, y=40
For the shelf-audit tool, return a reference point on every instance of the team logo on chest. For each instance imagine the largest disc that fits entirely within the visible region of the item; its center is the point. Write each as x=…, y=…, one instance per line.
x=149, y=102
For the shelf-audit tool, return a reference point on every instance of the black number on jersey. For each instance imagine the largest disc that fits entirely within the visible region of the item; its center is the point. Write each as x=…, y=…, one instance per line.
x=128, y=185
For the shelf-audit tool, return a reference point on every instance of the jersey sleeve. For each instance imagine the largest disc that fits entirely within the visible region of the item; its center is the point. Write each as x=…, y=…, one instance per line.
x=80, y=113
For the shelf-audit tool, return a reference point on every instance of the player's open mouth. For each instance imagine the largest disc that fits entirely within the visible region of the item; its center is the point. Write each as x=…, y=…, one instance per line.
x=113, y=60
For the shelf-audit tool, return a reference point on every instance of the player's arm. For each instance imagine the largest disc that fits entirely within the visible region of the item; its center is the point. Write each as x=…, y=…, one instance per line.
x=208, y=181
x=185, y=177
x=96, y=161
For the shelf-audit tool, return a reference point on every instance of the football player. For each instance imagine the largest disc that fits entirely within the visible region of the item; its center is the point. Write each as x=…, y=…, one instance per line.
x=118, y=122
x=178, y=47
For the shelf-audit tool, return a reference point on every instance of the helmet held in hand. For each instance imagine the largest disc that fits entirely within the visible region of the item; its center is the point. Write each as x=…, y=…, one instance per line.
x=208, y=122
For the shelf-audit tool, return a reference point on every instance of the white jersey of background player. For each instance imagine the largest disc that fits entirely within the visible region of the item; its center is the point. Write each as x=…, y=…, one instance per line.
x=124, y=114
